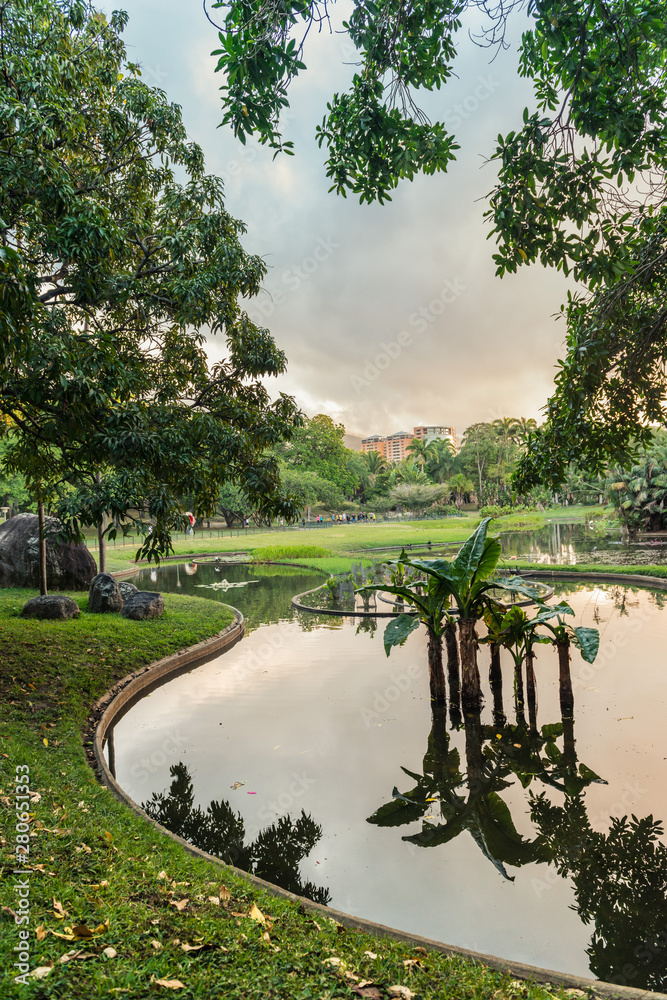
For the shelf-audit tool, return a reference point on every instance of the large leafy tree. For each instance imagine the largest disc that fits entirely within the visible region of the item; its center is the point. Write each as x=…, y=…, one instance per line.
x=319, y=446
x=581, y=178
x=116, y=256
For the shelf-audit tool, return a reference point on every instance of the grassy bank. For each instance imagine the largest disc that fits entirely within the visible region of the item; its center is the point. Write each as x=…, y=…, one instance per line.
x=354, y=539
x=117, y=909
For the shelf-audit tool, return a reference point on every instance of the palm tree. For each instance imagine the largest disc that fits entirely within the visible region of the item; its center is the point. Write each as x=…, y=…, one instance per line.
x=522, y=428
x=442, y=461
x=407, y=472
x=375, y=461
x=421, y=451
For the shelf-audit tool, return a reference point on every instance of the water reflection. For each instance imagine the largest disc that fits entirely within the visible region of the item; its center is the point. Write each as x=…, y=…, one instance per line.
x=275, y=854
x=263, y=594
x=568, y=544
x=619, y=877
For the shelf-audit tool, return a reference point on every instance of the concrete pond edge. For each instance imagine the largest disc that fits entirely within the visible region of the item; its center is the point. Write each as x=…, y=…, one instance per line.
x=111, y=707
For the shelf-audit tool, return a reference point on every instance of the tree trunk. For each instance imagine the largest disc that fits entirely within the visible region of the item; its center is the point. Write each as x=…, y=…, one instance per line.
x=474, y=755
x=496, y=682
x=436, y=674
x=453, y=675
x=531, y=690
x=470, y=687
x=519, y=702
x=564, y=679
x=101, y=540
x=42, y=548
x=569, y=752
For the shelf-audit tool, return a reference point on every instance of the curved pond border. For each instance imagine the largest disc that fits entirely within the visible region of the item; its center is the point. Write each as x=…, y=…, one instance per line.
x=120, y=698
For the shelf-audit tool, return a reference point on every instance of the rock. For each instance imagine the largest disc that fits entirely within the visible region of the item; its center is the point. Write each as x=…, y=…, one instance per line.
x=143, y=605
x=104, y=594
x=51, y=606
x=127, y=589
x=68, y=566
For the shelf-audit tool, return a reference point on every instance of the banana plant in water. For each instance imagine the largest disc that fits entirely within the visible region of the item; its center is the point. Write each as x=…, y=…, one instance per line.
x=563, y=635
x=462, y=584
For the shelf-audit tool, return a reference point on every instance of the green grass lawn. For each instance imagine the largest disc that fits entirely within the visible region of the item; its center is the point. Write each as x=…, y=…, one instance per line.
x=117, y=909
x=352, y=539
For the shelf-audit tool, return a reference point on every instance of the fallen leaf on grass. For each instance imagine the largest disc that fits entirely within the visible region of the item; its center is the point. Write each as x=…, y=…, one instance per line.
x=8, y=909
x=162, y=874
x=178, y=904
x=335, y=962
x=409, y=962
x=224, y=892
x=256, y=914
x=420, y=951
x=370, y=954
x=58, y=910
x=41, y=971
x=400, y=991
x=156, y=944
x=215, y=900
x=368, y=991
x=192, y=947
x=71, y=955
x=110, y=952
x=169, y=984
x=40, y=933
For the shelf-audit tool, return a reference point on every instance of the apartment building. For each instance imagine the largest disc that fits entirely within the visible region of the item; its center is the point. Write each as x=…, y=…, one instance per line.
x=394, y=447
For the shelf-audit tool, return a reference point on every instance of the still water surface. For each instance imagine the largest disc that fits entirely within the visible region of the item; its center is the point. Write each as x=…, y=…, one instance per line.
x=304, y=731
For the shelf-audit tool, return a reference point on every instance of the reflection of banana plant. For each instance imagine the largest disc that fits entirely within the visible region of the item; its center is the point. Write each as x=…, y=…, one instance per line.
x=472, y=801
x=468, y=802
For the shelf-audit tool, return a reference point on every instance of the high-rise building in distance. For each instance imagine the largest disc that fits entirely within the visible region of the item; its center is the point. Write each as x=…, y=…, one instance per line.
x=394, y=447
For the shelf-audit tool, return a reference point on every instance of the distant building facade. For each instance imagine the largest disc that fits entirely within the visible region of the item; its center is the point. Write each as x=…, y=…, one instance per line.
x=394, y=447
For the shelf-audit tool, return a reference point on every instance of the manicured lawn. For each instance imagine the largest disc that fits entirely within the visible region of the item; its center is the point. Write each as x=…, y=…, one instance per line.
x=166, y=916
x=354, y=538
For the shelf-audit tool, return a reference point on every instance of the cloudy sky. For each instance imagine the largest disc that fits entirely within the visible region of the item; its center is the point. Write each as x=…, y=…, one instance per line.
x=390, y=316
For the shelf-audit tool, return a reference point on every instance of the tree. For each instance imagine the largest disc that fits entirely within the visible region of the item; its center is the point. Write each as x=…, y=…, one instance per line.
x=442, y=458
x=478, y=451
x=376, y=463
x=421, y=452
x=581, y=179
x=311, y=490
x=318, y=446
x=418, y=497
x=110, y=271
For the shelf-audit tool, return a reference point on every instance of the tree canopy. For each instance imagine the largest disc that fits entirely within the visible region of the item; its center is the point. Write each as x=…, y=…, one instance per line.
x=117, y=256
x=580, y=183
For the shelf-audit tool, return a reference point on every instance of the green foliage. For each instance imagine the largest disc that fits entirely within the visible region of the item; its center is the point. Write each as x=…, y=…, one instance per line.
x=112, y=271
x=317, y=447
x=291, y=552
x=398, y=630
x=639, y=494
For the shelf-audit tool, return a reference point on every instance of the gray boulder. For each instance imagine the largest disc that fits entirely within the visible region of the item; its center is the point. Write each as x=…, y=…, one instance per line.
x=127, y=589
x=51, y=606
x=142, y=605
x=68, y=566
x=104, y=594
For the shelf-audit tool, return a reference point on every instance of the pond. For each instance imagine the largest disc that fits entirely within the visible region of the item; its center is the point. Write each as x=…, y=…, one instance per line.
x=305, y=755
x=568, y=544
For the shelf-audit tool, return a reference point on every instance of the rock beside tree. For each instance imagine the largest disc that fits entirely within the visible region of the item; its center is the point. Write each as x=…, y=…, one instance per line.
x=56, y=606
x=104, y=594
x=68, y=566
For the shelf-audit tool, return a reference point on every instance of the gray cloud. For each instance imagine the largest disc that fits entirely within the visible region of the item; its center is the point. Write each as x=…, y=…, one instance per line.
x=346, y=280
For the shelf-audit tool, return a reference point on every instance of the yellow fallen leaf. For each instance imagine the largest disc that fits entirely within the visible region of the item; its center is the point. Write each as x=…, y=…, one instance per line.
x=107, y=835
x=265, y=936
x=224, y=892
x=169, y=984
x=46, y=743
x=192, y=947
x=256, y=914
x=215, y=900
x=40, y=933
x=156, y=944
x=58, y=909
x=81, y=931
x=409, y=962
x=41, y=971
x=178, y=904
